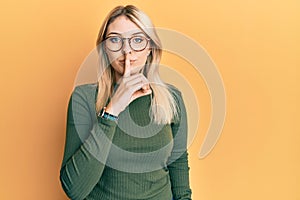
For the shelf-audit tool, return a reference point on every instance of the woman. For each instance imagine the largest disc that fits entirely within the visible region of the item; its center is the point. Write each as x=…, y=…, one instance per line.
x=127, y=134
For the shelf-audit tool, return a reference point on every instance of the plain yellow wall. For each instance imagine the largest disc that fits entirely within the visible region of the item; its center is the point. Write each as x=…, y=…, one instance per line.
x=255, y=45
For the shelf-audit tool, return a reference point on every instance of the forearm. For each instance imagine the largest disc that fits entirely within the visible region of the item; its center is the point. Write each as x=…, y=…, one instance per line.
x=82, y=170
x=178, y=161
x=80, y=174
x=179, y=175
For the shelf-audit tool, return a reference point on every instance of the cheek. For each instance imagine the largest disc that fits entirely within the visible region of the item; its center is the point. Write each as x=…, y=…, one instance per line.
x=113, y=56
x=142, y=58
x=114, y=65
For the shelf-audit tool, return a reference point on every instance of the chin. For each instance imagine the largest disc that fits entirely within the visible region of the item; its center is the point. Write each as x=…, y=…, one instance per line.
x=136, y=70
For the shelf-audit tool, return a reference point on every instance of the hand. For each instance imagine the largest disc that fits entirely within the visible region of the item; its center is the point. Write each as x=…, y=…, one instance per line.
x=130, y=88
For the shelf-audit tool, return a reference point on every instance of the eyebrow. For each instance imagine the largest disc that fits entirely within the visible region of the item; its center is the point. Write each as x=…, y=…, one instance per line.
x=116, y=33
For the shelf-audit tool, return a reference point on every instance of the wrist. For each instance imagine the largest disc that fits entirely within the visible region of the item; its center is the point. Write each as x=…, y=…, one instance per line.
x=109, y=109
x=106, y=115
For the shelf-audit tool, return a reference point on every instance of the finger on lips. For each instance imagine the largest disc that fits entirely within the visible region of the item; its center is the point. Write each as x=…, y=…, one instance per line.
x=134, y=78
x=127, y=67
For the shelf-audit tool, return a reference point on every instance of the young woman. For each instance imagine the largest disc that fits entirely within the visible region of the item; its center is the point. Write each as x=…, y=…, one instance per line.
x=127, y=134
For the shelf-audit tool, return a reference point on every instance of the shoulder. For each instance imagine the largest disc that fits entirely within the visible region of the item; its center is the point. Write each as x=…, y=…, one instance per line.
x=172, y=88
x=86, y=91
x=176, y=93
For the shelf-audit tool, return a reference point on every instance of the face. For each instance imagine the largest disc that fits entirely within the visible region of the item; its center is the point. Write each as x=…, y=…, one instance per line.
x=125, y=28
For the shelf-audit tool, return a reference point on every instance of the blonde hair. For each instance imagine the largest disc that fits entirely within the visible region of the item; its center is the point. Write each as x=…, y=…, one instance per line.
x=163, y=105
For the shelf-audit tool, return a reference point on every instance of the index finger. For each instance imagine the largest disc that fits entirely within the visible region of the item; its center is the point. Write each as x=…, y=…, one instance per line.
x=127, y=67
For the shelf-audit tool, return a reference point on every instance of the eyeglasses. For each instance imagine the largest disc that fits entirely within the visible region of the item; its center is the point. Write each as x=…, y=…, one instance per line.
x=116, y=43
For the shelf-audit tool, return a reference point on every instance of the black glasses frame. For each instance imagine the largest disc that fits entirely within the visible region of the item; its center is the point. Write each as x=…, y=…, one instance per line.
x=129, y=41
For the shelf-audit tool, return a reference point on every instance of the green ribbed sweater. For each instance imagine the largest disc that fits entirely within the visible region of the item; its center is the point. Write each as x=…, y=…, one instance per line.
x=133, y=159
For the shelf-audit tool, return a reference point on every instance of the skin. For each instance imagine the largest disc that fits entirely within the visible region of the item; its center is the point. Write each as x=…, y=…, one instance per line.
x=126, y=28
x=127, y=65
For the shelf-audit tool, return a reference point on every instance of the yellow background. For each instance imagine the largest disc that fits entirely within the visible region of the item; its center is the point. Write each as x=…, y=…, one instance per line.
x=255, y=45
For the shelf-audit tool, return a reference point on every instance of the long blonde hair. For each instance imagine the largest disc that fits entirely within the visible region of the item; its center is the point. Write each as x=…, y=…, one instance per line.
x=163, y=105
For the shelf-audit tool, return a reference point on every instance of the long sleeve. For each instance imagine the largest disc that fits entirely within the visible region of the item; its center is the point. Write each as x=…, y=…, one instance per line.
x=87, y=145
x=178, y=161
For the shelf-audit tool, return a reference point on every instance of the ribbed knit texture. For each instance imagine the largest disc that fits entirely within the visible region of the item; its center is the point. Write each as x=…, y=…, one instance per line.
x=133, y=159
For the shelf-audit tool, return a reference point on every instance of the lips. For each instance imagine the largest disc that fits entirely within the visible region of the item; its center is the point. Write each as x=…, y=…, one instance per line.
x=123, y=61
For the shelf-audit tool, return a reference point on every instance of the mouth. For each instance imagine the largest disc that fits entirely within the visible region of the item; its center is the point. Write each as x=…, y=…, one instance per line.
x=122, y=62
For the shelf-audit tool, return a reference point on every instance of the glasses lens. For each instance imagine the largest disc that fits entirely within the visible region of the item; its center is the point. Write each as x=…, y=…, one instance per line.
x=114, y=43
x=138, y=43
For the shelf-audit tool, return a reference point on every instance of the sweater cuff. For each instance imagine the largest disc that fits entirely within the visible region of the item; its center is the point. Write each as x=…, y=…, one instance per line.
x=106, y=122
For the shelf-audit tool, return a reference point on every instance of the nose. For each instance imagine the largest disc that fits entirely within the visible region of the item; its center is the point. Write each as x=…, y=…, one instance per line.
x=126, y=47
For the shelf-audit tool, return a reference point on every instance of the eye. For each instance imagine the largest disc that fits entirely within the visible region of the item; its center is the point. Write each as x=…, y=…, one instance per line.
x=138, y=39
x=114, y=39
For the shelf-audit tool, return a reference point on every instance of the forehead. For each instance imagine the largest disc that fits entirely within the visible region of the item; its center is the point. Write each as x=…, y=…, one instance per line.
x=123, y=26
